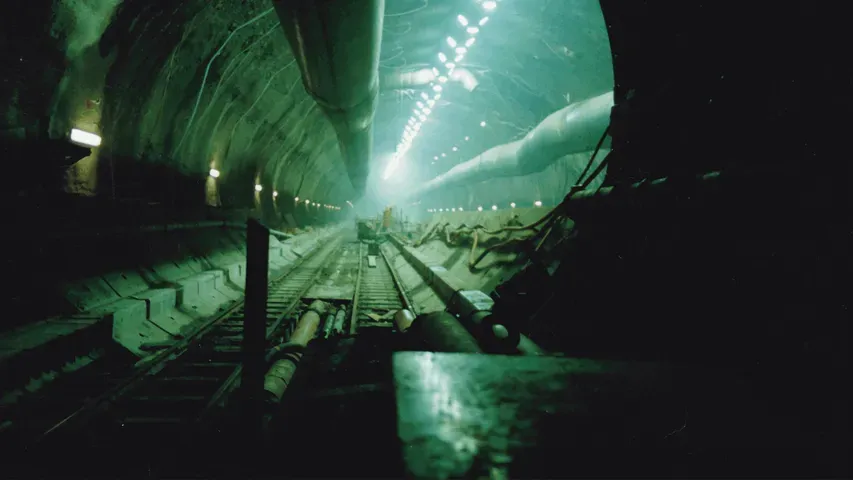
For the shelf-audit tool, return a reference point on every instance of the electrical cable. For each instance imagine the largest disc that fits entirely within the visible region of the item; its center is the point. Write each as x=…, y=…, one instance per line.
x=558, y=213
x=207, y=71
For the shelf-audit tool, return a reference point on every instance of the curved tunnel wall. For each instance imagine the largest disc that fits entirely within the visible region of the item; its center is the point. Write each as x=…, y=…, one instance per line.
x=174, y=88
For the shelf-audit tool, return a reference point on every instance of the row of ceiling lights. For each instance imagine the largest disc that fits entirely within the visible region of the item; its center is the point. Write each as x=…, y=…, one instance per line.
x=537, y=203
x=259, y=188
x=427, y=103
x=92, y=140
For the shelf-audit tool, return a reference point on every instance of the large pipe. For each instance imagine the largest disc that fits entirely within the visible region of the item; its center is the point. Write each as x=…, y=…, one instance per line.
x=573, y=129
x=438, y=332
x=285, y=358
x=336, y=44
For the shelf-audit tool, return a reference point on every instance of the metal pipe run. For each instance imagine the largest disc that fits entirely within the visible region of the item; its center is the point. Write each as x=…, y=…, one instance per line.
x=403, y=320
x=573, y=129
x=336, y=44
x=441, y=332
x=285, y=358
x=340, y=319
x=328, y=325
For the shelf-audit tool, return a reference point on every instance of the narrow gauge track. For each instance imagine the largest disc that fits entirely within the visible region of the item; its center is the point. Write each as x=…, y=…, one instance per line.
x=178, y=385
x=378, y=292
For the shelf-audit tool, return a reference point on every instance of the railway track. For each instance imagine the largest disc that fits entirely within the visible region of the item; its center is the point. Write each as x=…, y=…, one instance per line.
x=173, y=388
x=181, y=391
x=378, y=292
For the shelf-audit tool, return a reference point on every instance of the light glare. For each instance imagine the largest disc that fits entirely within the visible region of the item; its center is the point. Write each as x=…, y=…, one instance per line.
x=214, y=173
x=86, y=138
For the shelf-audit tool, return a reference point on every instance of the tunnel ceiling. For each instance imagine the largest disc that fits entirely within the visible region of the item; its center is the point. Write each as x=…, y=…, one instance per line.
x=194, y=85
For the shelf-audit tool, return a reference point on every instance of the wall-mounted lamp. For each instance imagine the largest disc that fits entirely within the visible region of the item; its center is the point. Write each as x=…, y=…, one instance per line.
x=85, y=138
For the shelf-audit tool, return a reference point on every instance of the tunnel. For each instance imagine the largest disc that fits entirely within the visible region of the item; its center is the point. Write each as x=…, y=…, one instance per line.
x=496, y=238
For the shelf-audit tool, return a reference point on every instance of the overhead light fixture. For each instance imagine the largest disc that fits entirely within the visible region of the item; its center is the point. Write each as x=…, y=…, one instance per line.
x=437, y=88
x=494, y=207
x=416, y=111
x=450, y=65
x=537, y=203
x=430, y=102
x=307, y=201
x=420, y=105
x=259, y=187
x=440, y=209
x=460, y=209
x=296, y=199
x=424, y=96
x=435, y=157
x=461, y=50
x=214, y=173
x=512, y=205
x=85, y=138
x=427, y=111
x=437, y=96
x=490, y=5
x=462, y=20
x=451, y=42
x=442, y=58
x=443, y=154
x=458, y=58
x=434, y=71
x=479, y=209
x=423, y=118
x=470, y=41
x=274, y=194
x=467, y=138
x=455, y=149
x=483, y=124
x=452, y=209
x=442, y=79
x=472, y=30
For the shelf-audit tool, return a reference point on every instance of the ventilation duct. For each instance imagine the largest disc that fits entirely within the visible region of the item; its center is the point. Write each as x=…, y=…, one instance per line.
x=573, y=129
x=336, y=44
